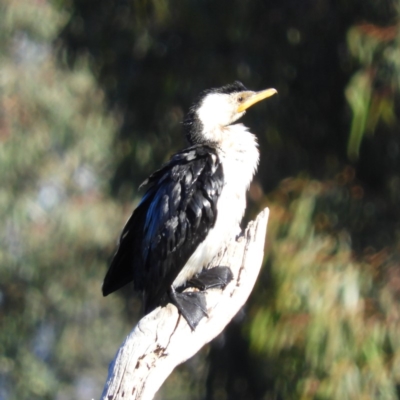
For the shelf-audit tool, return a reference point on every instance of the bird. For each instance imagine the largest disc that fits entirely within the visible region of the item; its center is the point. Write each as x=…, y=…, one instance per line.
x=192, y=208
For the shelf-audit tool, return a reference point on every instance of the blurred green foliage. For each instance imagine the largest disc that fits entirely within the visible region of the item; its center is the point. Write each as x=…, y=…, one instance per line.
x=92, y=94
x=329, y=325
x=371, y=92
x=58, y=226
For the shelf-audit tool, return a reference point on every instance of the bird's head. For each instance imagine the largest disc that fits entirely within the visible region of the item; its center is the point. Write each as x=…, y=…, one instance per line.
x=218, y=108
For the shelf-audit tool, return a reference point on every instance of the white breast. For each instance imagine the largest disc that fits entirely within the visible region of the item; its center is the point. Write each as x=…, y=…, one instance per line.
x=239, y=155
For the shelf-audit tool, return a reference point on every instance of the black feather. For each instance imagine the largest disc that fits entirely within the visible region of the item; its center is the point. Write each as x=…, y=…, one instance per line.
x=173, y=218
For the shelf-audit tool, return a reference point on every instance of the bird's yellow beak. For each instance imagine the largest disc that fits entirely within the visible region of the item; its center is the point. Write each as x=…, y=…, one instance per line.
x=255, y=97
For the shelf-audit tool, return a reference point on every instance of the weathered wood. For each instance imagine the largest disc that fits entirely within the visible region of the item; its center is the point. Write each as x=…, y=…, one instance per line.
x=162, y=339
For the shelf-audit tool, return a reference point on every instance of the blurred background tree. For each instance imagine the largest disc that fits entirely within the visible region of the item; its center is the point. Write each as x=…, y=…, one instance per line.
x=92, y=94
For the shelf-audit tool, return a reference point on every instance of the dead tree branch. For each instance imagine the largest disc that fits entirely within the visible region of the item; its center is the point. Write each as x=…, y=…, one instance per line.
x=162, y=339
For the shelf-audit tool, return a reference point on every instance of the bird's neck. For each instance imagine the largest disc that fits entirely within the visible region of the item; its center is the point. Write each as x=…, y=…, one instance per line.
x=238, y=151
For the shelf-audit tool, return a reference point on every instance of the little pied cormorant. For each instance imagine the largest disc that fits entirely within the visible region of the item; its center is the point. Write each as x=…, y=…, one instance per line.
x=193, y=207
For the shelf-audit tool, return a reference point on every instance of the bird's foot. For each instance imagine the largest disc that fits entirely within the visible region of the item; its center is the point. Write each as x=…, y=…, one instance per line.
x=192, y=306
x=217, y=277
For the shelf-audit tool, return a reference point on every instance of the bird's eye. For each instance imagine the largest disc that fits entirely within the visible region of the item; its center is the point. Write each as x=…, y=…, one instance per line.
x=240, y=99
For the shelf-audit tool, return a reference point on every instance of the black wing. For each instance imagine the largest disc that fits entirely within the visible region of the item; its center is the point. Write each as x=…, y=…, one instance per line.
x=172, y=219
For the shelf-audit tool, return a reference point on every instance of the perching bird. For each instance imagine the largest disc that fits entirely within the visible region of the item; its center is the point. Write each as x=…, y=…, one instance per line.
x=192, y=208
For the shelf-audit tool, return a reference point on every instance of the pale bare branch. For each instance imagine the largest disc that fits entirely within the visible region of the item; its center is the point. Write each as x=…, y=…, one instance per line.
x=162, y=339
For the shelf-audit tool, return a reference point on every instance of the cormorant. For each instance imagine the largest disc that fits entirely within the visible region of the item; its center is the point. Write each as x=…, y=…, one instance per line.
x=192, y=208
